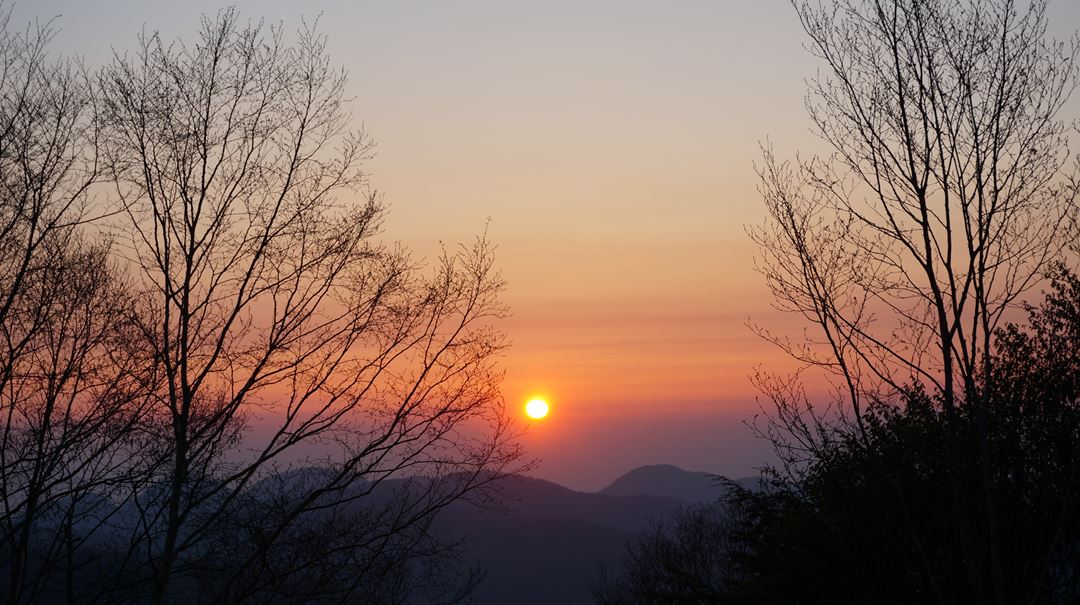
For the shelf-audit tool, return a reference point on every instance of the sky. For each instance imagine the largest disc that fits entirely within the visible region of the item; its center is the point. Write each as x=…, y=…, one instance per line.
x=608, y=148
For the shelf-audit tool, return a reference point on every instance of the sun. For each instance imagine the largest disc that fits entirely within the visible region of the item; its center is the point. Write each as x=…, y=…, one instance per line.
x=536, y=408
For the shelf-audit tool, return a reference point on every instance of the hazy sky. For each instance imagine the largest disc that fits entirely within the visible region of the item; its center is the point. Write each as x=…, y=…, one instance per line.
x=611, y=144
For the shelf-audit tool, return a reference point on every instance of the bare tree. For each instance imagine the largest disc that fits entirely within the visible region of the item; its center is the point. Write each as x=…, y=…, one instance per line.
x=281, y=334
x=949, y=191
x=66, y=410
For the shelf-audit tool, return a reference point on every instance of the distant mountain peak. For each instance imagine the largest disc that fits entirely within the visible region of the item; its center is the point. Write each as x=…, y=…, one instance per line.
x=666, y=480
x=661, y=468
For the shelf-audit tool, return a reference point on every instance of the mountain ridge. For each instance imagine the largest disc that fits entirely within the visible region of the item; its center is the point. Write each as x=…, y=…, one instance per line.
x=551, y=538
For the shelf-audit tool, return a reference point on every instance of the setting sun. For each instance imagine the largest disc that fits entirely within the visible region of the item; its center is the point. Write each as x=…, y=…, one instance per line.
x=536, y=408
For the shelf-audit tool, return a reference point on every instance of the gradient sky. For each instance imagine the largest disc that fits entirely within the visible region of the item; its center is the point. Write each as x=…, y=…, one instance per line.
x=611, y=144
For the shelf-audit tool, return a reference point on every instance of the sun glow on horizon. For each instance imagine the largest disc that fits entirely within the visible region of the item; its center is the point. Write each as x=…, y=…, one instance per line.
x=537, y=409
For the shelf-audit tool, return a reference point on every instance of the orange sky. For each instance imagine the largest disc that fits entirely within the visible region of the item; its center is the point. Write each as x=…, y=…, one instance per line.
x=611, y=145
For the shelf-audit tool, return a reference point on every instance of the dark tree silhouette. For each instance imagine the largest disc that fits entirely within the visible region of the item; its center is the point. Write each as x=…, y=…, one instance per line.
x=833, y=536
x=686, y=558
x=939, y=462
x=836, y=532
x=280, y=331
x=67, y=407
x=216, y=383
x=950, y=190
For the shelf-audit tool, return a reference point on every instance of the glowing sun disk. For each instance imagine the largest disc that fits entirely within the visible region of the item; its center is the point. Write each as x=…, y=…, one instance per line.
x=536, y=408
